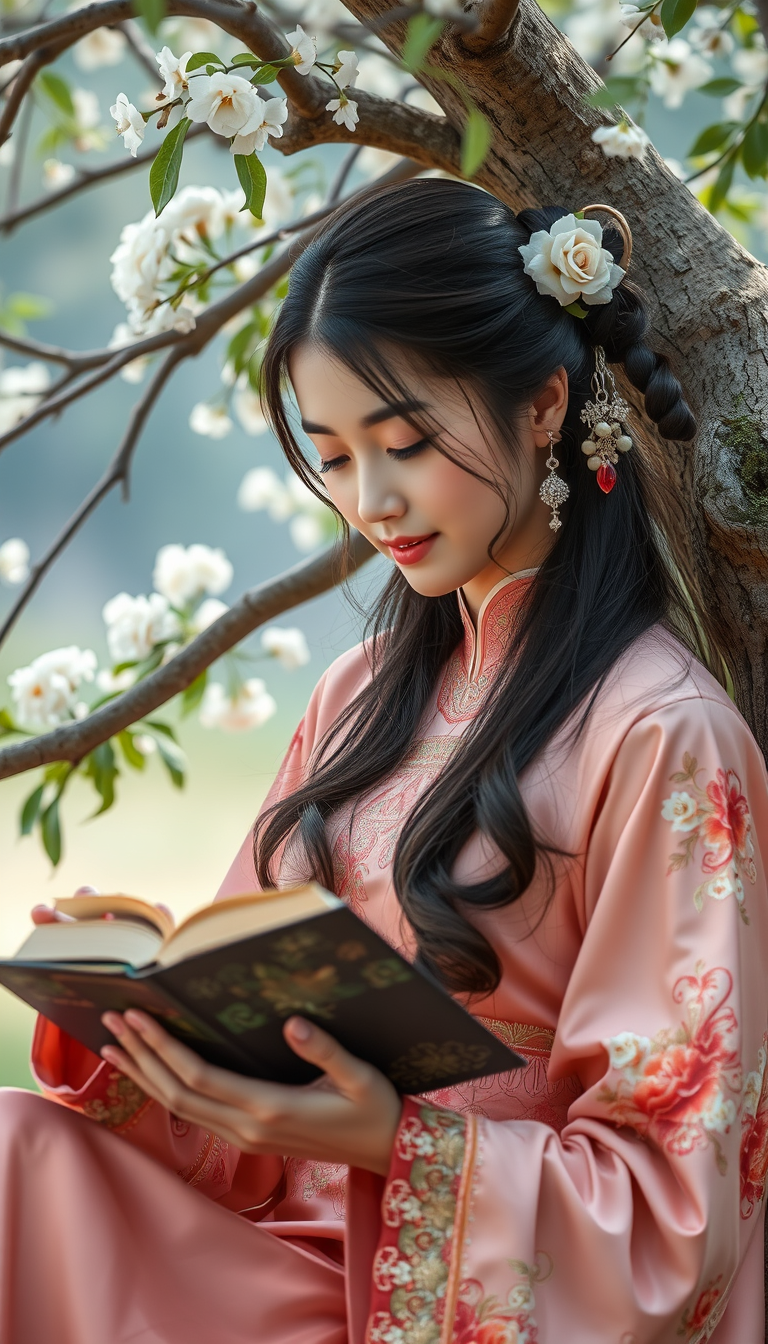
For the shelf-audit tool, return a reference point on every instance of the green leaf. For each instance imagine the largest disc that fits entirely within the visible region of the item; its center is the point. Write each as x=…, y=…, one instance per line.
x=576, y=309
x=203, y=58
x=754, y=149
x=57, y=90
x=51, y=832
x=265, y=74
x=192, y=696
x=253, y=180
x=244, y=58
x=722, y=185
x=619, y=89
x=164, y=728
x=421, y=35
x=675, y=14
x=164, y=173
x=475, y=142
x=101, y=767
x=133, y=756
x=719, y=88
x=30, y=810
x=713, y=137
x=174, y=760
x=7, y=724
x=152, y=12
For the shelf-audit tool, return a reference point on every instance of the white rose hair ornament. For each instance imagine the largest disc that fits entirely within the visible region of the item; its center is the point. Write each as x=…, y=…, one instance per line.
x=569, y=263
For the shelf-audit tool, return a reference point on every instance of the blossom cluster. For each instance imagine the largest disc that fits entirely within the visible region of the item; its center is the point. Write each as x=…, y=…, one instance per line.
x=310, y=521
x=141, y=632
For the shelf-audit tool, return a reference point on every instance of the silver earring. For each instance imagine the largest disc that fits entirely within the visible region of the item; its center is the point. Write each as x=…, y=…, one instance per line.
x=553, y=491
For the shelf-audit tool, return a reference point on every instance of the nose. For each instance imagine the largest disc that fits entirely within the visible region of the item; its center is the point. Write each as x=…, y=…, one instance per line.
x=377, y=497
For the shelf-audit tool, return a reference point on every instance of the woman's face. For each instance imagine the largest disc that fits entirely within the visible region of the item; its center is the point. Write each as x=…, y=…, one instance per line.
x=420, y=509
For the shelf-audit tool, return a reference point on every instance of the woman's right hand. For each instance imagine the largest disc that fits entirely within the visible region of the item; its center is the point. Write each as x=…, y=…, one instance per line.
x=45, y=914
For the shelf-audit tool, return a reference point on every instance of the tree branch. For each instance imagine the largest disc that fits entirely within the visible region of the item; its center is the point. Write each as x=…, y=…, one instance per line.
x=87, y=177
x=300, y=584
x=307, y=93
x=427, y=138
x=494, y=20
x=117, y=472
x=19, y=89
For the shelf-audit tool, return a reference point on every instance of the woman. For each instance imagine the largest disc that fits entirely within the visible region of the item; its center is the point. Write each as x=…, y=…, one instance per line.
x=525, y=779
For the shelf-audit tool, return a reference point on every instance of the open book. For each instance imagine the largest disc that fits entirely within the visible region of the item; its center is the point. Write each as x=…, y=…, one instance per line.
x=227, y=978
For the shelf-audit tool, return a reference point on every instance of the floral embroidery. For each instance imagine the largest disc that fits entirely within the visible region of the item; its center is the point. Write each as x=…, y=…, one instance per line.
x=308, y=1180
x=122, y=1105
x=375, y=825
x=676, y=1087
x=754, y=1134
x=719, y=817
x=522, y=1094
x=424, y=1212
x=700, y=1320
x=471, y=668
x=483, y=1320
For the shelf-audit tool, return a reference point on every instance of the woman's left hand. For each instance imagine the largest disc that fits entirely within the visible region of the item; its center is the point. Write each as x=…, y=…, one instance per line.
x=350, y=1116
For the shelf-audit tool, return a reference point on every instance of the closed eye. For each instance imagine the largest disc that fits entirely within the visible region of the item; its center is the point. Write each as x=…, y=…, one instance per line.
x=399, y=454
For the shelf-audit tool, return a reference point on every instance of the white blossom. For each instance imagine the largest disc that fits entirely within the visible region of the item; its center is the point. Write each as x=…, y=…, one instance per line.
x=209, y=611
x=130, y=123
x=173, y=72
x=22, y=387
x=14, y=561
x=623, y=141
x=111, y=683
x=249, y=707
x=261, y=488
x=211, y=421
x=307, y=532
x=104, y=46
x=346, y=70
x=266, y=119
x=303, y=50
x=649, y=27
x=57, y=174
x=676, y=69
x=289, y=646
x=569, y=262
x=44, y=693
x=145, y=744
x=751, y=63
x=225, y=102
x=136, y=624
x=593, y=26
x=7, y=153
x=87, y=110
x=247, y=404
x=628, y=1052
x=139, y=263
x=682, y=810
x=707, y=33
x=182, y=573
x=443, y=9
x=344, y=111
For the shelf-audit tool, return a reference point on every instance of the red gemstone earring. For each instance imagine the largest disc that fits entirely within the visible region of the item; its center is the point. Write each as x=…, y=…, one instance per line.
x=605, y=416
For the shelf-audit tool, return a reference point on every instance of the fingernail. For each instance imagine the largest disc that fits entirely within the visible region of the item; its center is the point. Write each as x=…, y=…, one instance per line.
x=300, y=1030
x=135, y=1020
x=86, y=891
x=109, y=1053
x=114, y=1023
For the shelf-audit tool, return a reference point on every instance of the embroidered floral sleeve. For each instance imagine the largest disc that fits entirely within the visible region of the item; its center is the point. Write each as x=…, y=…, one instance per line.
x=631, y=1225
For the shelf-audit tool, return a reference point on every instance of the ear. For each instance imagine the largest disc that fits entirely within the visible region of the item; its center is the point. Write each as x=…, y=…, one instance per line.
x=547, y=412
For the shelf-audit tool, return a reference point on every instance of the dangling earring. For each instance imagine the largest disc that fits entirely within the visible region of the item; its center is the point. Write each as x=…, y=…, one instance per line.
x=605, y=415
x=553, y=491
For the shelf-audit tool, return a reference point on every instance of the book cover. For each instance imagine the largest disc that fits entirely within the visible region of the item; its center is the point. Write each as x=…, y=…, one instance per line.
x=229, y=1004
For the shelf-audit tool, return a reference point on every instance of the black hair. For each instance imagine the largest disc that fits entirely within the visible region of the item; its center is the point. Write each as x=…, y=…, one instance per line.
x=429, y=272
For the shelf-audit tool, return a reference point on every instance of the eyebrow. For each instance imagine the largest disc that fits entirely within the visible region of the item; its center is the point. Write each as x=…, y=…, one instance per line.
x=388, y=412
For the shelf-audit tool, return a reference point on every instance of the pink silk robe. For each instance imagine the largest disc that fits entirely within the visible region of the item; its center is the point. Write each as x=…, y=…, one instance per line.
x=611, y=1192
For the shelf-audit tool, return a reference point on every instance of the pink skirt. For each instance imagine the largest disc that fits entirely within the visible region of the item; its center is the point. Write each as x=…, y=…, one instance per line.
x=100, y=1244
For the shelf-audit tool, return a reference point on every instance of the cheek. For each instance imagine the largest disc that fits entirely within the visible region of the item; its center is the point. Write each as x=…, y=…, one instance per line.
x=461, y=505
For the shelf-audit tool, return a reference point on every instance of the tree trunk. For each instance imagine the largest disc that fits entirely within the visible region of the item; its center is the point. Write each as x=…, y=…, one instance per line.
x=709, y=308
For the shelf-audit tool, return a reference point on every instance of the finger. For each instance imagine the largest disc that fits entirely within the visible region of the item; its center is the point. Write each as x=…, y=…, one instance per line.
x=310, y=1042
x=189, y=1108
x=87, y=891
x=200, y=1077
x=166, y=909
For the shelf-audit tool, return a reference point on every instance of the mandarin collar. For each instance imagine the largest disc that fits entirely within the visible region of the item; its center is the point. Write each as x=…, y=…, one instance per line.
x=494, y=621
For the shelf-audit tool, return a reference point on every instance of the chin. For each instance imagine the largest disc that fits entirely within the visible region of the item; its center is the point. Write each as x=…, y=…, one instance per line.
x=434, y=585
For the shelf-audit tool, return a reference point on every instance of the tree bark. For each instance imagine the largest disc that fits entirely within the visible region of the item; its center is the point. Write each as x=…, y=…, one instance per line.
x=708, y=299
